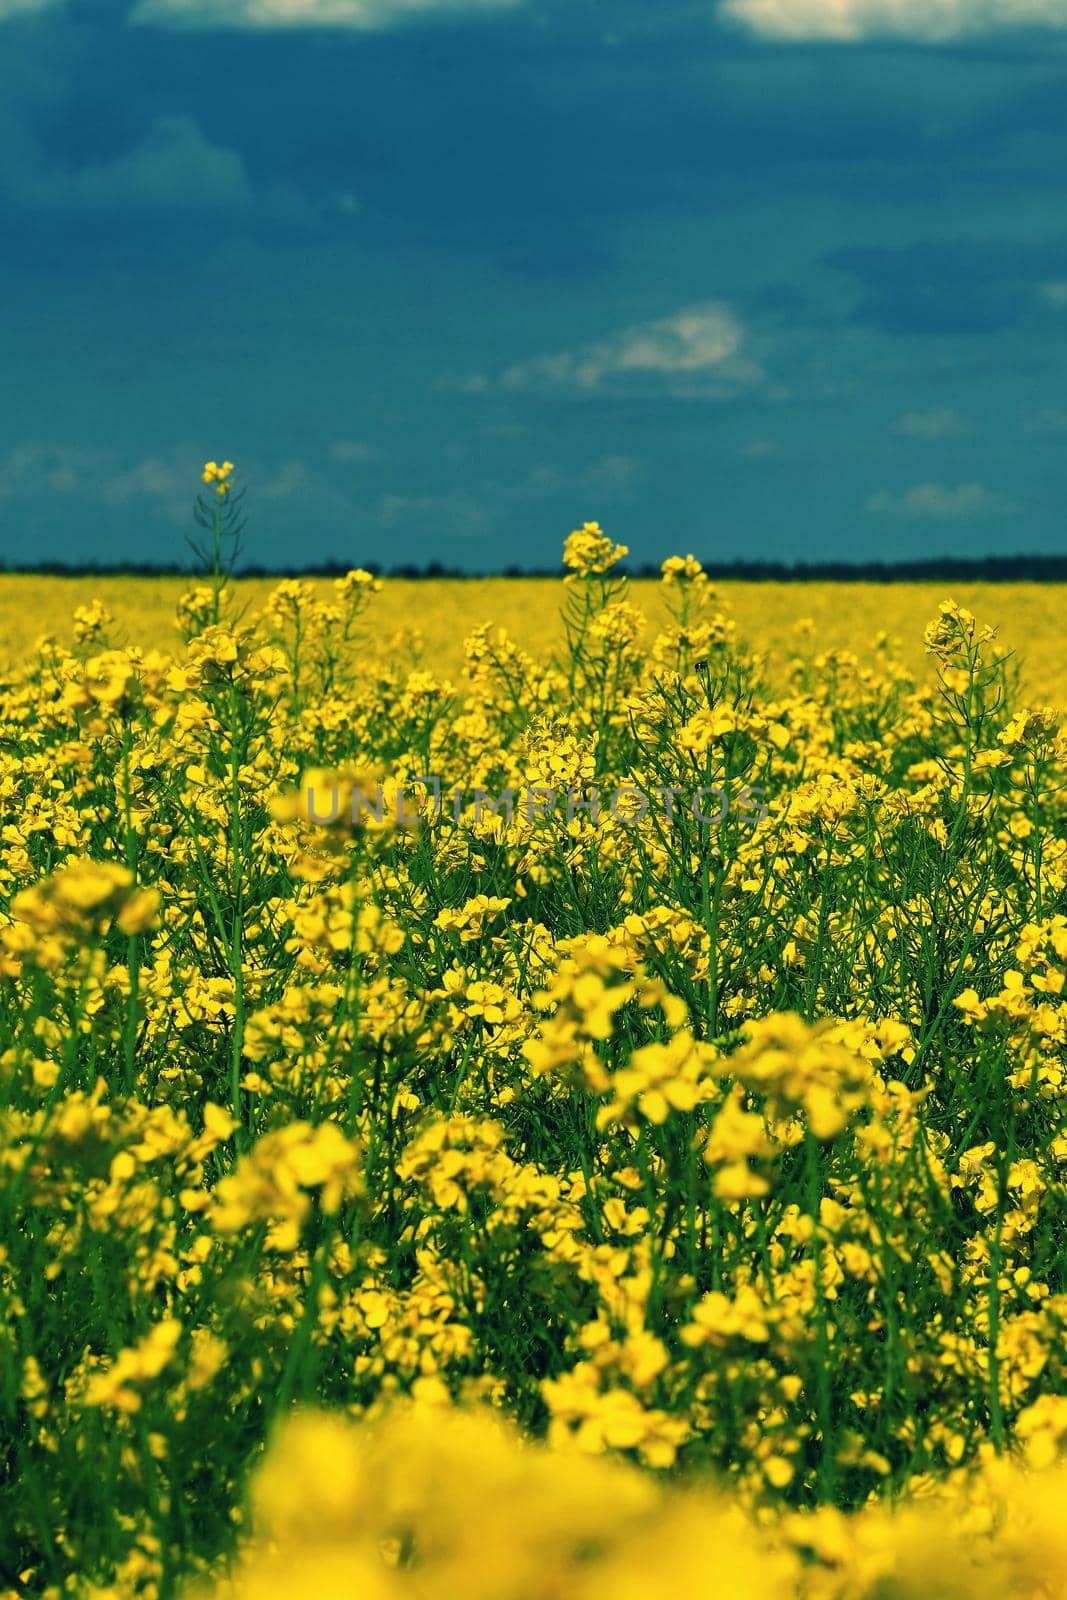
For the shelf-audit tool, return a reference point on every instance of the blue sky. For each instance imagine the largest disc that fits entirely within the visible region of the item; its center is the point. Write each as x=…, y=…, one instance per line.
x=761, y=278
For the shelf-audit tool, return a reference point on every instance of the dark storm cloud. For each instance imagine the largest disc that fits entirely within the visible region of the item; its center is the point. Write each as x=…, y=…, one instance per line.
x=466, y=249
x=963, y=287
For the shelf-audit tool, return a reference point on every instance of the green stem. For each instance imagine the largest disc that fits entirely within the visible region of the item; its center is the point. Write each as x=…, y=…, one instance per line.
x=133, y=961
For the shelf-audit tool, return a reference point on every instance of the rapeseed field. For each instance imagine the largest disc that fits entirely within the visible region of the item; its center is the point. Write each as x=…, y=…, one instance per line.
x=585, y=1122
x=424, y=622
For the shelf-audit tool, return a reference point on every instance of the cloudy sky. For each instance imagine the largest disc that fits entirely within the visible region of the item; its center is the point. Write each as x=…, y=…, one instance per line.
x=446, y=278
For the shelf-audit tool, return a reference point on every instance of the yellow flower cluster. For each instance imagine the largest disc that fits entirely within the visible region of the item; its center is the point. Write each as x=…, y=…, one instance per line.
x=118, y=1386
x=435, y=1502
x=219, y=475
x=800, y=1068
x=270, y=1184
x=71, y=908
x=588, y=551
x=442, y=1202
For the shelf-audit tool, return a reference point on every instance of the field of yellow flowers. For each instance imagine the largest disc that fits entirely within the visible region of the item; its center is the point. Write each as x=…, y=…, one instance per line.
x=594, y=1127
x=424, y=622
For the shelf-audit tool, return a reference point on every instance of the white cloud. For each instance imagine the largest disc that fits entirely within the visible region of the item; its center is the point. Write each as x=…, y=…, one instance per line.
x=937, y=502
x=170, y=479
x=932, y=425
x=24, y=8
x=698, y=351
x=290, y=478
x=1050, y=421
x=1055, y=294
x=29, y=468
x=930, y=20
x=364, y=15
x=346, y=450
x=609, y=474
x=98, y=476
x=173, y=164
x=151, y=479
x=458, y=513
x=103, y=477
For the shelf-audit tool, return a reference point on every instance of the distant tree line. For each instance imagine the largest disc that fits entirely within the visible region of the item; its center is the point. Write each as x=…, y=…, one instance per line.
x=980, y=569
